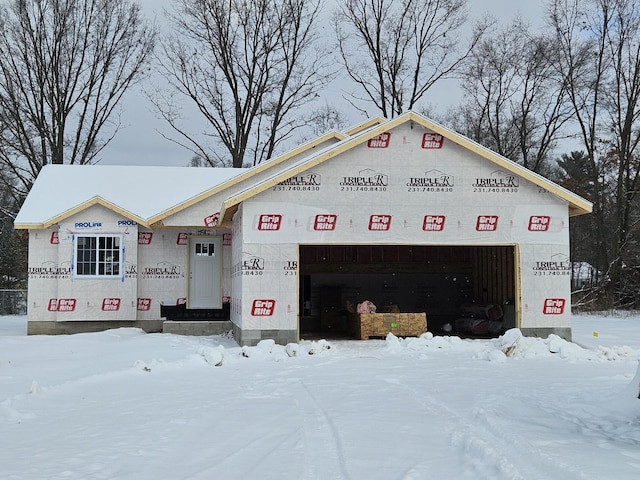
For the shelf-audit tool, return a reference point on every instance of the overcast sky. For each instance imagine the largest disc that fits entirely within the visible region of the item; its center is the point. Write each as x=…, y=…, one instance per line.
x=139, y=143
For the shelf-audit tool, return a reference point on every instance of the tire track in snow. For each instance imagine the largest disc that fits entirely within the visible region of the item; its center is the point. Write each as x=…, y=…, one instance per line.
x=489, y=451
x=323, y=446
x=262, y=449
x=598, y=423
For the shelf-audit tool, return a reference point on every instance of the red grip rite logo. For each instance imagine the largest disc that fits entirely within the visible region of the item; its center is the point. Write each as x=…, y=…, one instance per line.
x=182, y=239
x=539, y=223
x=433, y=223
x=381, y=141
x=380, y=223
x=270, y=222
x=432, y=141
x=487, y=223
x=212, y=220
x=263, y=308
x=61, y=305
x=554, y=306
x=110, y=304
x=144, y=304
x=144, y=238
x=325, y=222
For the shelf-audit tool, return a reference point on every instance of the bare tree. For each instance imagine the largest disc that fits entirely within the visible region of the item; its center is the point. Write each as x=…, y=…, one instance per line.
x=622, y=98
x=583, y=65
x=514, y=101
x=600, y=44
x=13, y=243
x=64, y=67
x=577, y=174
x=396, y=51
x=247, y=67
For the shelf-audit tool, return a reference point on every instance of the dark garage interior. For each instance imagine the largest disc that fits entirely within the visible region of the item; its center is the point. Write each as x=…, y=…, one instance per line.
x=464, y=290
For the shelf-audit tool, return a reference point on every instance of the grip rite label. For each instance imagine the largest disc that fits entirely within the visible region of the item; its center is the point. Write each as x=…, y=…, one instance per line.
x=554, y=306
x=487, y=223
x=380, y=222
x=263, y=308
x=269, y=222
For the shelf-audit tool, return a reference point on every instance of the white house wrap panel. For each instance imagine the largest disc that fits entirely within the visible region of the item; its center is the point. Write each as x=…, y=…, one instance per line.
x=65, y=294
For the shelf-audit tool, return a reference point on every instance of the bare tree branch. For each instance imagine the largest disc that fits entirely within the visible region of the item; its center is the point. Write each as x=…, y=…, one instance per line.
x=64, y=67
x=514, y=101
x=599, y=44
x=247, y=67
x=396, y=51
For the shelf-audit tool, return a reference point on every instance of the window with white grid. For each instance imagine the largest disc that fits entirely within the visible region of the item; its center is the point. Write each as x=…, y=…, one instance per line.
x=98, y=256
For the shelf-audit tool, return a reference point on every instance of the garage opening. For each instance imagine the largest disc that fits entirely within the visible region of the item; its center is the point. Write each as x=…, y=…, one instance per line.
x=464, y=290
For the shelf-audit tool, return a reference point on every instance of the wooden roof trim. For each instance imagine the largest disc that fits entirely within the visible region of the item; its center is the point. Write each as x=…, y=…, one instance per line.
x=333, y=134
x=27, y=226
x=370, y=122
x=226, y=221
x=306, y=164
x=577, y=204
x=79, y=208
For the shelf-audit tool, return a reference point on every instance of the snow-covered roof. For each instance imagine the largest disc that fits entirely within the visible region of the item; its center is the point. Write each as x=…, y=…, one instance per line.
x=137, y=192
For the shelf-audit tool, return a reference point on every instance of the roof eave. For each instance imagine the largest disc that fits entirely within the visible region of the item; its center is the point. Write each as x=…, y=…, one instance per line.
x=576, y=210
x=28, y=226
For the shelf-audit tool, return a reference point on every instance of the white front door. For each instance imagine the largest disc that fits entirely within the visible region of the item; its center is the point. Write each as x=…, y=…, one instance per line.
x=205, y=272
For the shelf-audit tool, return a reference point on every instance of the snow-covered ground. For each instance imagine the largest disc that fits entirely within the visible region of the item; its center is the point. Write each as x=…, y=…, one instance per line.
x=123, y=404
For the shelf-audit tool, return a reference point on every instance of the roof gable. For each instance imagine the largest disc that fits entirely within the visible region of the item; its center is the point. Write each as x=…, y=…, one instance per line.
x=577, y=205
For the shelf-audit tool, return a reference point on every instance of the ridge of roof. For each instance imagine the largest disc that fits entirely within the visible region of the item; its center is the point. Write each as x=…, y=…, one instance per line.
x=368, y=123
x=249, y=173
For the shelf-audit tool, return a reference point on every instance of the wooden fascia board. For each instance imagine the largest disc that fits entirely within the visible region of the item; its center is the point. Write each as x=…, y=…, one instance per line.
x=339, y=148
x=90, y=203
x=28, y=226
x=226, y=221
x=577, y=204
x=575, y=211
x=364, y=125
x=248, y=174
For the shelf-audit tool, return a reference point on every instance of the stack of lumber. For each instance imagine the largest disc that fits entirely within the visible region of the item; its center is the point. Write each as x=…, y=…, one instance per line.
x=366, y=325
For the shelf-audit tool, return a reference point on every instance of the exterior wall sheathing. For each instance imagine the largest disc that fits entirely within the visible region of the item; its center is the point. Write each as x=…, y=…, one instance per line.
x=404, y=194
x=155, y=273
x=408, y=186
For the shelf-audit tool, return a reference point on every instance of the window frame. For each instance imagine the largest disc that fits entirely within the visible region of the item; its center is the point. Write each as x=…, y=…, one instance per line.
x=98, y=256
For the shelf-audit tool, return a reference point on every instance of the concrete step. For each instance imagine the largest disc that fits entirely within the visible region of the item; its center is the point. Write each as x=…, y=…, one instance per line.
x=196, y=327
